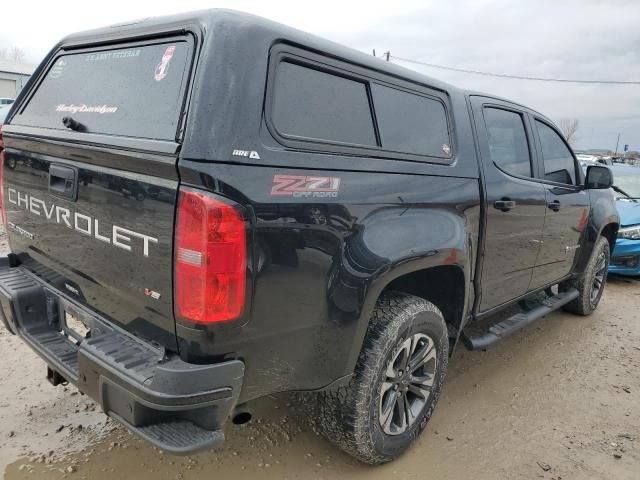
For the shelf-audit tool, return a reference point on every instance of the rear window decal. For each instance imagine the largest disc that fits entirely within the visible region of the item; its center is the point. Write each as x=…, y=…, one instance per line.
x=58, y=68
x=85, y=108
x=113, y=55
x=161, y=69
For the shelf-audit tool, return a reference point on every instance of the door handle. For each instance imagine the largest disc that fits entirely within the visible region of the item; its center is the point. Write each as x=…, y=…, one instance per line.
x=505, y=204
x=63, y=181
x=555, y=205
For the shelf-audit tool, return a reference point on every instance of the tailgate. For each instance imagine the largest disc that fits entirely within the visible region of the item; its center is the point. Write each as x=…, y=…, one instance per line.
x=90, y=180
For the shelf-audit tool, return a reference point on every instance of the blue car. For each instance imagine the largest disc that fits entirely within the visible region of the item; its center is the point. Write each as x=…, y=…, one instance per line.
x=626, y=254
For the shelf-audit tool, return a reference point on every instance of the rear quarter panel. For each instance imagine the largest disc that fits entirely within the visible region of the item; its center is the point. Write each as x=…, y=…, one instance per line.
x=319, y=265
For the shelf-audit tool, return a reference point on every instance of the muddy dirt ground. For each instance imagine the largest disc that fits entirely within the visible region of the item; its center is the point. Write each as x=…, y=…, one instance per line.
x=559, y=400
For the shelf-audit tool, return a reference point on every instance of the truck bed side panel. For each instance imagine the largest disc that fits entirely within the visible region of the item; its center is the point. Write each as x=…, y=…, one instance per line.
x=318, y=265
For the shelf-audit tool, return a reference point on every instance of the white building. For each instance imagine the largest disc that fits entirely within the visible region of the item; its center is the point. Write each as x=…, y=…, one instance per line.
x=13, y=76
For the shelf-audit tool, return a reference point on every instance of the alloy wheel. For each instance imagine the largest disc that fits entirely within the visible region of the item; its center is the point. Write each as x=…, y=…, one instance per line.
x=599, y=278
x=409, y=378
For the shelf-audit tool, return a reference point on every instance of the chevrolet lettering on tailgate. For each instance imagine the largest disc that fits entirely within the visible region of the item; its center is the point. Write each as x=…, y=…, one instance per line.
x=117, y=236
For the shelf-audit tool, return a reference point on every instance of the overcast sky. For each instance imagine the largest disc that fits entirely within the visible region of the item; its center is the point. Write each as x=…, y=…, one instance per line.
x=580, y=39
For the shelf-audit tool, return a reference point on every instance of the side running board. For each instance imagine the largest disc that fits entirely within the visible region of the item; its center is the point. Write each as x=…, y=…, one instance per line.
x=518, y=321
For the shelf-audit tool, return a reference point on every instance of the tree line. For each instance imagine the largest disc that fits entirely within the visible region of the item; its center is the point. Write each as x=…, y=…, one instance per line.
x=13, y=54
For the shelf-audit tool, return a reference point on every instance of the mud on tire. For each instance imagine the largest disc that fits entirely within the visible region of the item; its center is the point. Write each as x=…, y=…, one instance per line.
x=350, y=416
x=586, y=302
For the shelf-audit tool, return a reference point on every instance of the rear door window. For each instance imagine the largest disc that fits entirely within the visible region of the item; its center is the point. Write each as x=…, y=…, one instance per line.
x=508, y=141
x=311, y=104
x=411, y=123
x=133, y=91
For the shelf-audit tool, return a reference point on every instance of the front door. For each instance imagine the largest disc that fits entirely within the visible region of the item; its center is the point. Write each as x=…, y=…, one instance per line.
x=567, y=206
x=516, y=203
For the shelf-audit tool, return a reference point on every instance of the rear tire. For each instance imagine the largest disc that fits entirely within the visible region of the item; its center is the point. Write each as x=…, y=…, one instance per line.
x=591, y=283
x=396, y=383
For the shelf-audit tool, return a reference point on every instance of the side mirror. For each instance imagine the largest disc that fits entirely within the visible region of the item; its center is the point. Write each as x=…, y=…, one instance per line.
x=598, y=178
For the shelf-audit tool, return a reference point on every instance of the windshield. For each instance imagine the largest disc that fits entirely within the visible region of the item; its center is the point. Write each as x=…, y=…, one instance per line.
x=629, y=182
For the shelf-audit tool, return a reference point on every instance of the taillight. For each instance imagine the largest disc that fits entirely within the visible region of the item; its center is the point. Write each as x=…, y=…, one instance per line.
x=211, y=259
x=4, y=213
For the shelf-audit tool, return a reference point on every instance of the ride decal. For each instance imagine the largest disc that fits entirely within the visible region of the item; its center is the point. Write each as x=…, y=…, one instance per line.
x=163, y=66
x=300, y=186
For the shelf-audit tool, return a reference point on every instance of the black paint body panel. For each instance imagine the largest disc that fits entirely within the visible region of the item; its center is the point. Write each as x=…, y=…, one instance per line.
x=318, y=266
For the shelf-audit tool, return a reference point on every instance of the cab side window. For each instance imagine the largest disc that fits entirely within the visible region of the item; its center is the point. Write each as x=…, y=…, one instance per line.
x=411, y=123
x=318, y=106
x=508, y=141
x=559, y=165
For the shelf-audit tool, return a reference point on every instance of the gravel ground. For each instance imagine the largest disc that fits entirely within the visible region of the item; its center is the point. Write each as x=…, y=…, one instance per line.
x=559, y=400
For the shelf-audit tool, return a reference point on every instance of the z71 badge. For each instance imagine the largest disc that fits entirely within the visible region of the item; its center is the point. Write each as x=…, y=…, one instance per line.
x=300, y=186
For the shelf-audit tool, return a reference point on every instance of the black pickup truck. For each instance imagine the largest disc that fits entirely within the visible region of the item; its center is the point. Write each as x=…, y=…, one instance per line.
x=208, y=208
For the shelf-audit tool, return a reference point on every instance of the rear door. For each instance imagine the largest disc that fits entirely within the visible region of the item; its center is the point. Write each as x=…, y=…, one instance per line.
x=515, y=208
x=90, y=179
x=567, y=205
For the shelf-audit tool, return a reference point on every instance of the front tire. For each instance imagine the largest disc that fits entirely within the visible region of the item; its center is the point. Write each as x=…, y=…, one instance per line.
x=591, y=283
x=396, y=383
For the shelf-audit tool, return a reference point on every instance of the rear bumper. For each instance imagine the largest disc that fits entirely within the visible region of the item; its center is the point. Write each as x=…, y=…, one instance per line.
x=626, y=257
x=177, y=406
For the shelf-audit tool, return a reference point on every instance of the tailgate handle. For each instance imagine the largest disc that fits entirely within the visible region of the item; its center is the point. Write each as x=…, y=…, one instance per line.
x=63, y=181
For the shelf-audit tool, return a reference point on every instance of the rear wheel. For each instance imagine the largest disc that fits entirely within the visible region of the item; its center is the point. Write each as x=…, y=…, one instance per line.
x=591, y=284
x=396, y=384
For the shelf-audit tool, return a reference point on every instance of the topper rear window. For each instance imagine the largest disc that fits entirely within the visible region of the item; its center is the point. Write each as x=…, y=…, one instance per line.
x=133, y=91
